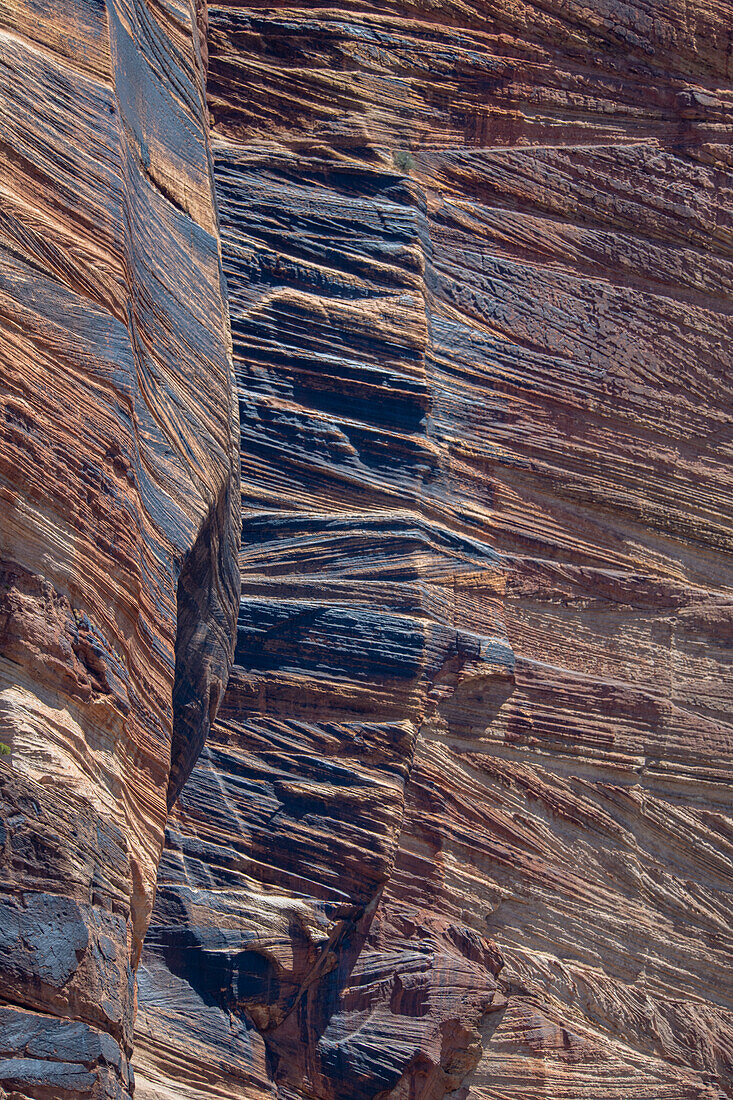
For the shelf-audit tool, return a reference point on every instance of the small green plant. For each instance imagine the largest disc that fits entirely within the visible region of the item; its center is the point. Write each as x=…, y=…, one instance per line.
x=403, y=160
x=4, y=749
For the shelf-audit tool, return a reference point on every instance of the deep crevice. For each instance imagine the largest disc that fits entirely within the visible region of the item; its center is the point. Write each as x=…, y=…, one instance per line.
x=207, y=601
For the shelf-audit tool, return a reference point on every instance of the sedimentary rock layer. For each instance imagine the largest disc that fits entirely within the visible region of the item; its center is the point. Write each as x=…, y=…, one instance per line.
x=463, y=825
x=117, y=485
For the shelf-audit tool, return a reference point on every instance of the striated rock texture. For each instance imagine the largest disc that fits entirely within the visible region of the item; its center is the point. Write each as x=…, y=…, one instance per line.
x=463, y=826
x=118, y=511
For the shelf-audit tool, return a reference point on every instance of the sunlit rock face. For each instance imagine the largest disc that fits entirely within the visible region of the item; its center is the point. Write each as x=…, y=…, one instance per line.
x=117, y=483
x=463, y=826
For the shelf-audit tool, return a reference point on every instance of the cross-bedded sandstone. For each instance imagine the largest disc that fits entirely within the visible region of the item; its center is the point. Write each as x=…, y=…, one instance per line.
x=463, y=825
x=479, y=265
x=117, y=480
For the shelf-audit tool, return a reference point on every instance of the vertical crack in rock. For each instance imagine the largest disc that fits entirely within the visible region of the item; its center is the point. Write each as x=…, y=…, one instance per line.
x=206, y=605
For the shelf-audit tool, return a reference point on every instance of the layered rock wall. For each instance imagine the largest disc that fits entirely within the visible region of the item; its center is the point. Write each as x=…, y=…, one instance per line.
x=117, y=476
x=463, y=826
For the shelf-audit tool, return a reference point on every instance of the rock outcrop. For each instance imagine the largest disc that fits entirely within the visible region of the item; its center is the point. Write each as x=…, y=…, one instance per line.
x=118, y=479
x=462, y=826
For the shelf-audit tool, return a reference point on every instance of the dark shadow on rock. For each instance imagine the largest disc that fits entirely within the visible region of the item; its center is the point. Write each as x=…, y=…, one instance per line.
x=207, y=607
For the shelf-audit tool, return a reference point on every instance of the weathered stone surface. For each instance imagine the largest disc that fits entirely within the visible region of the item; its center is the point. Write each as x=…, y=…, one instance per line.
x=117, y=478
x=59, y=1057
x=463, y=825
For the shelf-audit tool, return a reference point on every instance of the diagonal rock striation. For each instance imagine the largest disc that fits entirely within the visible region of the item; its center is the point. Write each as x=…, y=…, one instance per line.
x=460, y=823
x=118, y=470
x=478, y=267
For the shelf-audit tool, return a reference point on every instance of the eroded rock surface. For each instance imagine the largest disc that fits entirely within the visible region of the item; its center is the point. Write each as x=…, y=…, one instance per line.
x=463, y=826
x=117, y=472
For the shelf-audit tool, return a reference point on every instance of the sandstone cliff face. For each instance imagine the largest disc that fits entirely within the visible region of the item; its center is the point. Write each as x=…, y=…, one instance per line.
x=118, y=511
x=463, y=824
